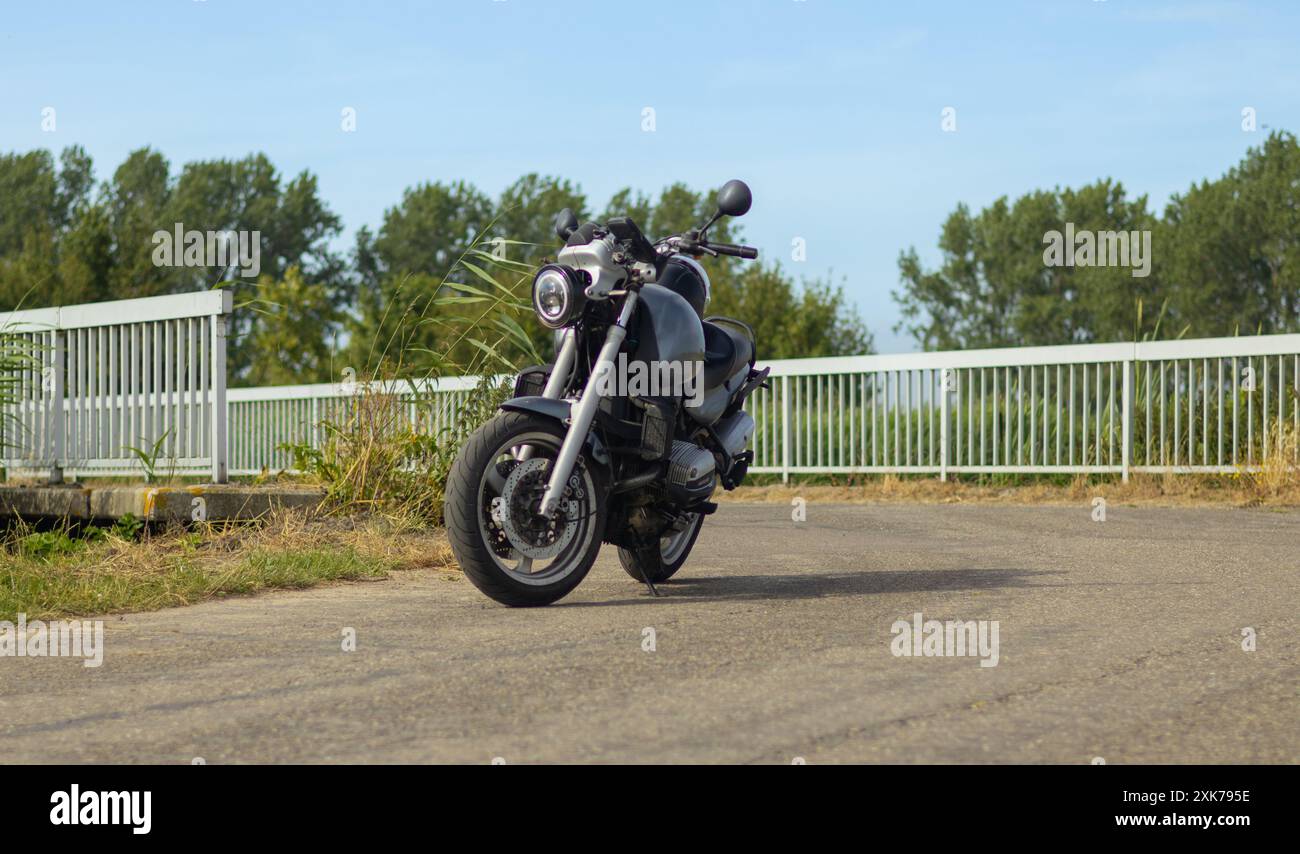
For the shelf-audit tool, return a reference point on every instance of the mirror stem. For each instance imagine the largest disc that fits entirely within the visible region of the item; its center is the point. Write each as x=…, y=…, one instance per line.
x=705, y=230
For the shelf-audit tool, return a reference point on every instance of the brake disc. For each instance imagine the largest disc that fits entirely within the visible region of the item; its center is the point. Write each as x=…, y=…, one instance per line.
x=522, y=492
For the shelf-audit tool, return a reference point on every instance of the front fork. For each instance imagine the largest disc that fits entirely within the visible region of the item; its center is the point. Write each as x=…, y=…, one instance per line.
x=559, y=378
x=564, y=360
x=583, y=412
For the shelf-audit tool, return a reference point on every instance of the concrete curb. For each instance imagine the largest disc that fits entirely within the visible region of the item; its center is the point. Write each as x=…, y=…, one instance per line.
x=212, y=503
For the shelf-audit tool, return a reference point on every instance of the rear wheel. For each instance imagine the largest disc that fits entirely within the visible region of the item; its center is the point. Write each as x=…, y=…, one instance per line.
x=507, y=549
x=658, y=562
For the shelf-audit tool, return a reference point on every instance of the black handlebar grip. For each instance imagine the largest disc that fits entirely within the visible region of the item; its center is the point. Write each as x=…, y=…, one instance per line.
x=734, y=250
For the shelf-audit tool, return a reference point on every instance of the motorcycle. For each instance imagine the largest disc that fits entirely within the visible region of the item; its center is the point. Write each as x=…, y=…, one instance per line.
x=584, y=454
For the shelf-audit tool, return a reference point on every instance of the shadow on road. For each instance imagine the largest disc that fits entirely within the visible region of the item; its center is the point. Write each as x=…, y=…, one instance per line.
x=815, y=585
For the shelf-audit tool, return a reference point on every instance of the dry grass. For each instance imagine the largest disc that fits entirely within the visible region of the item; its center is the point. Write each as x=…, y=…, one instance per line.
x=1276, y=484
x=377, y=459
x=112, y=574
x=396, y=541
x=1278, y=477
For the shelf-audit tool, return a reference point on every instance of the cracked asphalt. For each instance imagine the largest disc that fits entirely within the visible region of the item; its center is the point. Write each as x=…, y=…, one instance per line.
x=1119, y=639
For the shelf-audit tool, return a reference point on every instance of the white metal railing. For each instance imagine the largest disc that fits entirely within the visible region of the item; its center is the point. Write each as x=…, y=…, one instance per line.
x=266, y=422
x=110, y=388
x=112, y=377
x=1206, y=405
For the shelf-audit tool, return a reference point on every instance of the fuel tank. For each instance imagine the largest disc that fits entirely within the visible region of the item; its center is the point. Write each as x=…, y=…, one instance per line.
x=665, y=329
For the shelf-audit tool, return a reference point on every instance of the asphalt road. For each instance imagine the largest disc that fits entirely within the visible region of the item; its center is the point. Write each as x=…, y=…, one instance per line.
x=1119, y=639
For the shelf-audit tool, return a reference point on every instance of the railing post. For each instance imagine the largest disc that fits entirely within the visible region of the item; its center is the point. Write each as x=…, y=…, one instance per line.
x=56, y=388
x=944, y=375
x=218, y=392
x=1126, y=418
x=785, y=429
x=313, y=430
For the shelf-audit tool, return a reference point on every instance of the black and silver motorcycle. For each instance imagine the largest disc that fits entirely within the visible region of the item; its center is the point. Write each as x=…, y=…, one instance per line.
x=584, y=453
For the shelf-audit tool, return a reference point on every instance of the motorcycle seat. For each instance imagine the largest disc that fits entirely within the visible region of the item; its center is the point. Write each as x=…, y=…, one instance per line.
x=725, y=351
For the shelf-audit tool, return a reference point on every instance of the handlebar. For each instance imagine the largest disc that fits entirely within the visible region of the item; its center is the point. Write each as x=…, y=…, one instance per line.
x=687, y=244
x=733, y=250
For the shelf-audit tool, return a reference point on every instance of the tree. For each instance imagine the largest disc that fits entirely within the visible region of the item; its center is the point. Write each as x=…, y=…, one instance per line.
x=444, y=279
x=290, y=326
x=1225, y=260
x=293, y=225
x=994, y=287
x=399, y=320
x=792, y=321
x=526, y=216
x=136, y=200
x=62, y=242
x=1232, y=246
x=42, y=204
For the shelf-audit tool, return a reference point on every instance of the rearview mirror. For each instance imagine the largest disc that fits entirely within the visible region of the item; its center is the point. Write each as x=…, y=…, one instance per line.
x=566, y=222
x=734, y=199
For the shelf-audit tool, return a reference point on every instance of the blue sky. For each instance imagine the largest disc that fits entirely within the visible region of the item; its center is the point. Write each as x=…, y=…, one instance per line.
x=830, y=110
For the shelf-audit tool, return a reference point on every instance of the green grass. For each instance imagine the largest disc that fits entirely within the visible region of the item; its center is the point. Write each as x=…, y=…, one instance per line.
x=51, y=574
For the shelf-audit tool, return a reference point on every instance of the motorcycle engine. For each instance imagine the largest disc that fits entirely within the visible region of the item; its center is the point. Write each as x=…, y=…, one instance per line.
x=690, y=474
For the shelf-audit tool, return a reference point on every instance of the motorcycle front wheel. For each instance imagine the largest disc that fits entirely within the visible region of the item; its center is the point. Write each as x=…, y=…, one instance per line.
x=494, y=489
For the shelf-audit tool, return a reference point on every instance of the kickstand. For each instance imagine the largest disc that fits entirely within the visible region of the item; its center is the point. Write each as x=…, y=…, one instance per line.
x=648, y=583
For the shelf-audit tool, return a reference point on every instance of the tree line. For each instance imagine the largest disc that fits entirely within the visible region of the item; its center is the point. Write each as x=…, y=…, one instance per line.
x=405, y=300
x=1224, y=260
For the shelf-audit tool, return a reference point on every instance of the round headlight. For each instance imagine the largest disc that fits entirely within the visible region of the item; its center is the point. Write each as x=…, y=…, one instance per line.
x=554, y=296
